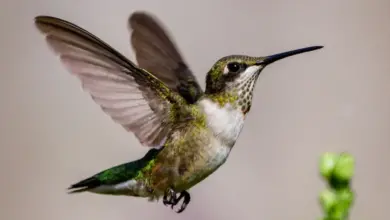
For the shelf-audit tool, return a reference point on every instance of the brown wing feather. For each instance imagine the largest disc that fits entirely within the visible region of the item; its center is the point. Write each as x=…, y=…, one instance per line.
x=131, y=96
x=157, y=53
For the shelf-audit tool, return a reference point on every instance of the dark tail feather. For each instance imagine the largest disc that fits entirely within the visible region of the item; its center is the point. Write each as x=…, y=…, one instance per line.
x=117, y=174
x=84, y=185
x=77, y=190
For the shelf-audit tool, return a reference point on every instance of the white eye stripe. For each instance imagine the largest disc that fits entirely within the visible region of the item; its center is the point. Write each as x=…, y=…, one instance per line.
x=226, y=70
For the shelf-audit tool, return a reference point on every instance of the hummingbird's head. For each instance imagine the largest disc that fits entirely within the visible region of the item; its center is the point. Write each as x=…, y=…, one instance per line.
x=237, y=74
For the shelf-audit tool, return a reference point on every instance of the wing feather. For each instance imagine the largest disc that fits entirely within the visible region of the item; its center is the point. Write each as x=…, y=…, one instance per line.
x=131, y=96
x=156, y=52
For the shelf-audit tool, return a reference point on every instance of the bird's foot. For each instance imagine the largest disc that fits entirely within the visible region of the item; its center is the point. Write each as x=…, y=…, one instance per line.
x=171, y=199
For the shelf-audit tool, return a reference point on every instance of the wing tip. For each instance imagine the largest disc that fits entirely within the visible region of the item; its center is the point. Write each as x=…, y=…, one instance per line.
x=139, y=14
x=43, y=23
x=39, y=18
x=39, y=21
x=44, y=19
x=138, y=17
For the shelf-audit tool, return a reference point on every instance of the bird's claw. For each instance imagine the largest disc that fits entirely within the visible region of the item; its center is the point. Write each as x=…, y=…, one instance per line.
x=186, y=199
x=171, y=199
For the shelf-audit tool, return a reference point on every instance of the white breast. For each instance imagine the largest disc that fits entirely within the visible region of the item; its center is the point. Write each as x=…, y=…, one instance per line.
x=226, y=122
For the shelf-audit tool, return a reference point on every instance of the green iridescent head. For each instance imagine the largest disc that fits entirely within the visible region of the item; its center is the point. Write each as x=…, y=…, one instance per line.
x=237, y=74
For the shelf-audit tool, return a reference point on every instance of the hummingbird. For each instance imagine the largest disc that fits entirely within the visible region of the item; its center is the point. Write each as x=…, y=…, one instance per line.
x=189, y=131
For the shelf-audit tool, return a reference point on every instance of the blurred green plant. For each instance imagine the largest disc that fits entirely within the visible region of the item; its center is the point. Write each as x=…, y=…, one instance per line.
x=338, y=197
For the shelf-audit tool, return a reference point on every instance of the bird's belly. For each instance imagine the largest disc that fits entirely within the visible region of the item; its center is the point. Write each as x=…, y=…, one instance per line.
x=204, y=166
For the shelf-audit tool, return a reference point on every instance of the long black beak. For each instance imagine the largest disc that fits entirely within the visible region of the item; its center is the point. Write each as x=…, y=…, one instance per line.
x=279, y=56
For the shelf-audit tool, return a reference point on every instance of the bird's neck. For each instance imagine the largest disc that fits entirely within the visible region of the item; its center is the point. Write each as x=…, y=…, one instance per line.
x=224, y=98
x=236, y=99
x=223, y=117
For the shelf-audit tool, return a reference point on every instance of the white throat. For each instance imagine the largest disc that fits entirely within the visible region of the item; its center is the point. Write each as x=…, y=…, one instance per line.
x=226, y=122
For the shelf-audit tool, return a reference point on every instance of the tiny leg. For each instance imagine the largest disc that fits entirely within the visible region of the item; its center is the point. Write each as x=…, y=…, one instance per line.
x=186, y=200
x=171, y=199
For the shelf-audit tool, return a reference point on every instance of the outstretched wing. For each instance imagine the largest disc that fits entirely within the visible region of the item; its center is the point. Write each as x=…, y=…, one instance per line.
x=131, y=96
x=157, y=53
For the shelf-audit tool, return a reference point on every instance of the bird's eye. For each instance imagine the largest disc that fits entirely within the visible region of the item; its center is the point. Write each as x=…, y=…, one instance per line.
x=234, y=67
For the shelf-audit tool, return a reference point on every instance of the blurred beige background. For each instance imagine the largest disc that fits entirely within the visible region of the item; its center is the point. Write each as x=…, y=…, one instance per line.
x=336, y=99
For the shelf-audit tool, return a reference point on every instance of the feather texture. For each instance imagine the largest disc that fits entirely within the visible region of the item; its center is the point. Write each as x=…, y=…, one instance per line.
x=131, y=96
x=156, y=52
